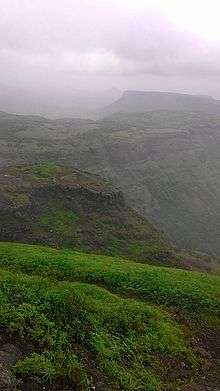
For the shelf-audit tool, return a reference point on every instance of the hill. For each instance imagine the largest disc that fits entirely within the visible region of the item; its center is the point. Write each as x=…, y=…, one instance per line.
x=166, y=163
x=54, y=204
x=73, y=321
x=142, y=101
x=169, y=169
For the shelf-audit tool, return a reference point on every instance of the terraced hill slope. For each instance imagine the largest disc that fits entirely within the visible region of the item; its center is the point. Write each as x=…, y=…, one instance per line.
x=73, y=321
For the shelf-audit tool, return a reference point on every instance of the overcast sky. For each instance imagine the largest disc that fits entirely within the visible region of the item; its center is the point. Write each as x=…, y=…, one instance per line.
x=57, y=47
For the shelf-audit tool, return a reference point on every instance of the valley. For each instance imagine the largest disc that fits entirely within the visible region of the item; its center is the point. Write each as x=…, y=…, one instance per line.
x=109, y=250
x=109, y=195
x=166, y=163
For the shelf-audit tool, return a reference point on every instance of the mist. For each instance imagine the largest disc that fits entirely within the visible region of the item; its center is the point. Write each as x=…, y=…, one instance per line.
x=72, y=57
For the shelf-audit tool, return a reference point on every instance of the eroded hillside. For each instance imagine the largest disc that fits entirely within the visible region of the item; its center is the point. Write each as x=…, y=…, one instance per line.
x=56, y=205
x=166, y=163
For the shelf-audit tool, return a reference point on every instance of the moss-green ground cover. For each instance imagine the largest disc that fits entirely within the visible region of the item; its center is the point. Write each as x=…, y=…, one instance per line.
x=77, y=311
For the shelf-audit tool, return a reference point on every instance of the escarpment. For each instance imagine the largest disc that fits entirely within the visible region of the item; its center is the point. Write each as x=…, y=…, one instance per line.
x=56, y=205
x=20, y=190
x=66, y=208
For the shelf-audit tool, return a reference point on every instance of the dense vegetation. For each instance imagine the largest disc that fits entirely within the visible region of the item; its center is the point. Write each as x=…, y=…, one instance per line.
x=101, y=322
x=163, y=285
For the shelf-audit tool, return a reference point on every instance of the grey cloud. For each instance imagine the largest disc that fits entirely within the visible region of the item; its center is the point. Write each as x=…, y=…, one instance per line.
x=48, y=46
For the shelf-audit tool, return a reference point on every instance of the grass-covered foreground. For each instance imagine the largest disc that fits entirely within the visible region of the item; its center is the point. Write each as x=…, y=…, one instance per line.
x=100, y=323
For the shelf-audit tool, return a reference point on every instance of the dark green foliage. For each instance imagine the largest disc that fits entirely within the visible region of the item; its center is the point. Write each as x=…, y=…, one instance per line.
x=43, y=171
x=60, y=316
x=60, y=222
x=49, y=367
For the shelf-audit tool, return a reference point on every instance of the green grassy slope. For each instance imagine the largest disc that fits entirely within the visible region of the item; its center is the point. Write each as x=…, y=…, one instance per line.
x=191, y=291
x=102, y=322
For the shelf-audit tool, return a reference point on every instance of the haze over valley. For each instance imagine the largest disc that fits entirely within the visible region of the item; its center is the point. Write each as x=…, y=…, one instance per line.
x=109, y=195
x=165, y=159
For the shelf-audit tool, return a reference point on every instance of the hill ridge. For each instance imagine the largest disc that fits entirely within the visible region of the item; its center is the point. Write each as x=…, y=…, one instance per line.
x=134, y=100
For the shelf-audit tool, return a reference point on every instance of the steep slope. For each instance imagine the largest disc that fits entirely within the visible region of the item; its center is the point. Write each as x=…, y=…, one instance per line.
x=169, y=168
x=68, y=322
x=48, y=203
x=166, y=163
x=139, y=101
x=52, y=204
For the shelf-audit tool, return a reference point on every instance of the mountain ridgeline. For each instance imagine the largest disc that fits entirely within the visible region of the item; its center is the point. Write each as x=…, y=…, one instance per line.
x=141, y=101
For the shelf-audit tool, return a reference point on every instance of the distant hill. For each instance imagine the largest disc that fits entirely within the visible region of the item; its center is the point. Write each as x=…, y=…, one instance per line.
x=139, y=101
x=55, y=103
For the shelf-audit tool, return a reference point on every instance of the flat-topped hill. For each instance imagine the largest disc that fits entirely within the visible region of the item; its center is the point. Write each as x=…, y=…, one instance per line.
x=137, y=101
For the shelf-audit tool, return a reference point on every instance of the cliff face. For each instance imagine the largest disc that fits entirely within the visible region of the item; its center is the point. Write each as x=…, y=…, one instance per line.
x=166, y=163
x=22, y=186
x=63, y=207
